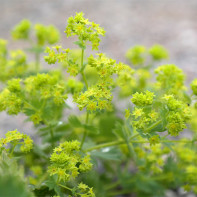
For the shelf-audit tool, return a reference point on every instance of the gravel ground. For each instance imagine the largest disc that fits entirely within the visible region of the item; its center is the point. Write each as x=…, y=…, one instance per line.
x=171, y=23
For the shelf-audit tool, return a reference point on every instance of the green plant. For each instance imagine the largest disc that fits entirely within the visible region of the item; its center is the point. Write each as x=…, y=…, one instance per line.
x=105, y=150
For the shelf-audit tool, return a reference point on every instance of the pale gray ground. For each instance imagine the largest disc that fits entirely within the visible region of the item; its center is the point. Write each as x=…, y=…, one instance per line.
x=172, y=23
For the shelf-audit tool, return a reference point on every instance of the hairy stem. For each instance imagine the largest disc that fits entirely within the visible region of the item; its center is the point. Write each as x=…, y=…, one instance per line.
x=82, y=73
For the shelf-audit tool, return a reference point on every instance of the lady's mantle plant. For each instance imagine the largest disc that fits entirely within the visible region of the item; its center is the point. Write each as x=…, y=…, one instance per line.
x=105, y=150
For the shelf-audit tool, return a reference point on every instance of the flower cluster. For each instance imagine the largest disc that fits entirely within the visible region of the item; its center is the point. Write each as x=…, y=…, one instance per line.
x=173, y=114
x=44, y=34
x=25, y=95
x=142, y=118
x=83, y=190
x=67, y=162
x=152, y=158
x=143, y=99
x=21, y=30
x=170, y=79
x=136, y=55
x=177, y=116
x=143, y=114
x=62, y=56
x=99, y=96
x=15, y=138
x=158, y=52
x=139, y=55
x=85, y=30
x=194, y=86
x=15, y=65
x=186, y=156
x=125, y=74
x=136, y=81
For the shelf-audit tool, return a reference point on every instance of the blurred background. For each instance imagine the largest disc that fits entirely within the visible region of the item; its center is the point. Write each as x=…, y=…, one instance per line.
x=171, y=23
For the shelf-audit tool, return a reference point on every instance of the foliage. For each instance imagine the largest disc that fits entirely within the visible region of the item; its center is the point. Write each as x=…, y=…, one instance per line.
x=100, y=148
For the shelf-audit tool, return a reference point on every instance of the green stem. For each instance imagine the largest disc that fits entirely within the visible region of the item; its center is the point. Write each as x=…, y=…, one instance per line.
x=84, y=78
x=118, y=142
x=82, y=73
x=12, y=151
x=115, y=143
x=152, y=126
x=68, y=188
x=129, y=145
x=85, y=132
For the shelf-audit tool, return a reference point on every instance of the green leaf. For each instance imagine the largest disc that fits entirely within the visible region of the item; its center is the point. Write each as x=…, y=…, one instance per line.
x=80, y=44
x=91, y=129
x=74, y=121
x=52, y=184
x=112, y=154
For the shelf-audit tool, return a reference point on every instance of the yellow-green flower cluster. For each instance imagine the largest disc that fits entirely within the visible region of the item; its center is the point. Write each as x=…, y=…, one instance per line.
x=143, y=99
x=14, y=66
x=10, y=102
x=20, y=95
x=170, y=79
x=84, y=191
x=125, y=75
x=186, y=159
x=136, y=55
x=62, y=56
x=67, y=162
x=158, y=52
x=174, y=114
x=139, y=55
x=15, y=138
x=85, y=30
x=142, y=118
x=154, y=140
x=98, y=96
x=46, y=87
x=21, y=30
x=177, y=116
x=46, y=34
x=194, y=86
x=105, y=67
x=152, y=158
x=136, y=82
x=143, y=115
